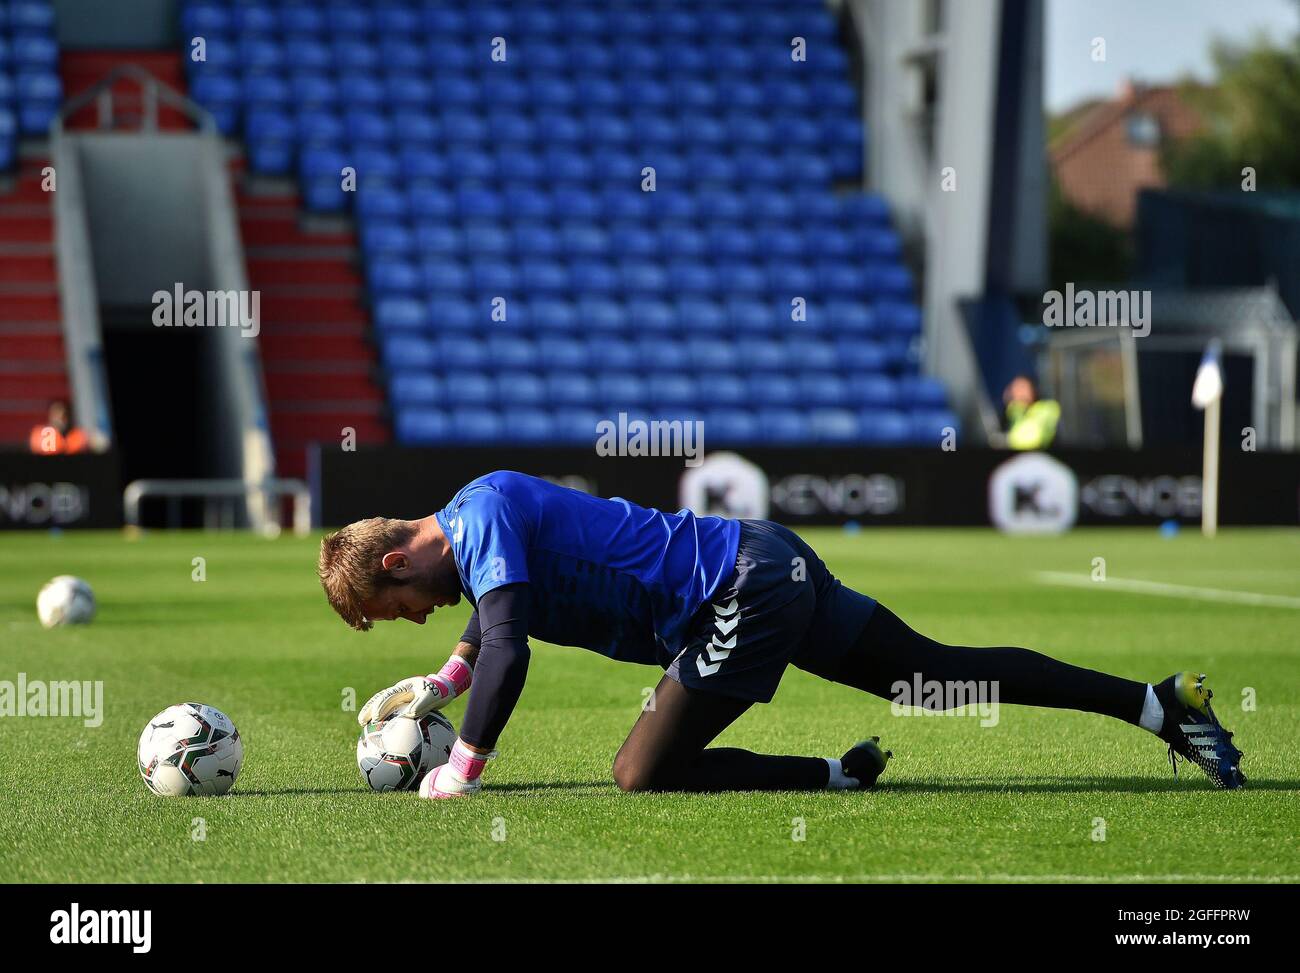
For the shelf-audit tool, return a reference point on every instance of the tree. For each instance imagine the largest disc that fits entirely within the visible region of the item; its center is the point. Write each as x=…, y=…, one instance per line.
x=1252, y=116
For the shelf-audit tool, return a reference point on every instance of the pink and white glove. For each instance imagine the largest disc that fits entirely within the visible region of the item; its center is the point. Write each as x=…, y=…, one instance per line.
x=419, y=695
x=459, y=776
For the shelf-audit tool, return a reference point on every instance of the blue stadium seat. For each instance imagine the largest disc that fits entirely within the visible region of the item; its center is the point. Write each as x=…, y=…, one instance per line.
x=8, y=139
x=534, y=239
x=571, y=389
x=622, y=391
x=923, y=391
x=415, y=388
x=772, y=389
x=394, y=276
x=477, y=425
x=468, y=388
x=384, y=238
x=614, y=353
x=563, y=355
x=824, y=388
x=712, y=355
x=833, y=426
x=598, y=315
x=898, y=318
x=408, y=352
x=929, y=426
x=577, y=425
x=670, y=389
x=295, y=20
x=527, y=425
x=665, y=354
x=784, y=426
x=34, y=52
x=725, y=389
x=700, y=317
x=442, y=276
x=453, y=314
x=422, y=427
x=885, y=427
x=486, y=240
x=515, y=388
x=437, y=240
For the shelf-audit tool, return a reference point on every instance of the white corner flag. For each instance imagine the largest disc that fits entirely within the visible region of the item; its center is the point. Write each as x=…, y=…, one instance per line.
x=1208, y=386
x=1207, y=393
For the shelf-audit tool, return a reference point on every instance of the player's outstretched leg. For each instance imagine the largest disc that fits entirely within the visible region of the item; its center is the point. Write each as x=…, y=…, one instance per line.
x=668, y=750
x=1177, y=710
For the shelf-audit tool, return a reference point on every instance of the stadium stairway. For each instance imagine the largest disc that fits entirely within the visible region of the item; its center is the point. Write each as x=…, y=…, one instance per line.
x=317, y=361
x=32, y=368
x=316, y=356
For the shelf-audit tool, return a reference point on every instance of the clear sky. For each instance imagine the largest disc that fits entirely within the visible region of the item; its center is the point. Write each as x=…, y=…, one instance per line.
x=1155, y=41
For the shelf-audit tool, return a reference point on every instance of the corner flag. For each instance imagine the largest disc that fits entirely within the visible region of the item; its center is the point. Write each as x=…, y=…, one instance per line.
x=1208, y=386
x=1207, y=393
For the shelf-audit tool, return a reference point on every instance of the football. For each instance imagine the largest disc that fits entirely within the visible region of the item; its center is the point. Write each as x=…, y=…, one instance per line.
x=65, y=600
x=393, y=754
x=190, y=749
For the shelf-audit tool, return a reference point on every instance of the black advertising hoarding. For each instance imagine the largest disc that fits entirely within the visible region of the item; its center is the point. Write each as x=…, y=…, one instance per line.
x=1015, y=491
x=40, y=492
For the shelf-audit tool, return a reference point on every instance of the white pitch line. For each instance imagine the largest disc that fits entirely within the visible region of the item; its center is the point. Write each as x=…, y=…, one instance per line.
x=1166, y=590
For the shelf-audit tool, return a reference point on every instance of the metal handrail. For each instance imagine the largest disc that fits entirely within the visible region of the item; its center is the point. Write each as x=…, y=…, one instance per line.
x=270, y=490
x=153, y=91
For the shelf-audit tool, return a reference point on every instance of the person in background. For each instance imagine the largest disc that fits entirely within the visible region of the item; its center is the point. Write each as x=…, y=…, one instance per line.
x=57, y=434
x=1031, y=421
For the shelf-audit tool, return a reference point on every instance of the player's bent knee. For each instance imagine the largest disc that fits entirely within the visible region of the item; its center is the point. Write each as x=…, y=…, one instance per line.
x=631, y=776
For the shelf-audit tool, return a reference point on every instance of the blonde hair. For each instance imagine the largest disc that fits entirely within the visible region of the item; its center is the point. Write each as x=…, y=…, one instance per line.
x=351, y=564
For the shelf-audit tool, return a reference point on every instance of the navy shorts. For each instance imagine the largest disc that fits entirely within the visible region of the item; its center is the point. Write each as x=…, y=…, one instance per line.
x=781, y=606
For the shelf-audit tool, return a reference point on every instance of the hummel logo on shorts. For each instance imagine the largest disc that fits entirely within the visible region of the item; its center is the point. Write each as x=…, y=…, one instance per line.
x=726, y=618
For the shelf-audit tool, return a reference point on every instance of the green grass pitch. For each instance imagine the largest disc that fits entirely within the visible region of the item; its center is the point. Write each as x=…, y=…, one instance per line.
x=1025, y=800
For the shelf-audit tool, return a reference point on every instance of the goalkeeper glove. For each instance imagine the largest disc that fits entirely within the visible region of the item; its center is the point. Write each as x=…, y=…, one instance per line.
x=419, y=695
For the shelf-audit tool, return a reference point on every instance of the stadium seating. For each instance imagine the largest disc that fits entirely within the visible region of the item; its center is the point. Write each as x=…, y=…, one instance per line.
x=30, y=90
x=506, y=231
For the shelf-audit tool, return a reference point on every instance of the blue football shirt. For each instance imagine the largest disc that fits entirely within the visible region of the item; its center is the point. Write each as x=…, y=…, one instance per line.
x=605, y=575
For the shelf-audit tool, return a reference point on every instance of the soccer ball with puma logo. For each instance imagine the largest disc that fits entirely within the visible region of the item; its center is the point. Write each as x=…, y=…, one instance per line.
x=190, y=749
x=393, y=754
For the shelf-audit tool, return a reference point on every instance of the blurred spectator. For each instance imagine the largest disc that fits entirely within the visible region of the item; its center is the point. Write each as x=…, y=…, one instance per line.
x=58, y=434
x=1031, y=421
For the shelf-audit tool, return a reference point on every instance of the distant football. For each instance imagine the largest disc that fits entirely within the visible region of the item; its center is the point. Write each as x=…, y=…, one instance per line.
x=65, y=600
x=393, y=754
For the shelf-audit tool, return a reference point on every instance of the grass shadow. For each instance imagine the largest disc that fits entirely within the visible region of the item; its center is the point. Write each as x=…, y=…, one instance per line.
x=1072, y=785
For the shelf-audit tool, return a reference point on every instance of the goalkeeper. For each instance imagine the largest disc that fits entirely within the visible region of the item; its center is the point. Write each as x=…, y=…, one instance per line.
x=722, y=606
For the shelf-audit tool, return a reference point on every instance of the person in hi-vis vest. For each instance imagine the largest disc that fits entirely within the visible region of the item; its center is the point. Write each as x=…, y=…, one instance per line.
x=1031, y=421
